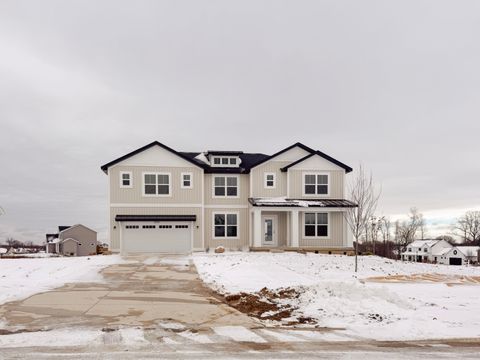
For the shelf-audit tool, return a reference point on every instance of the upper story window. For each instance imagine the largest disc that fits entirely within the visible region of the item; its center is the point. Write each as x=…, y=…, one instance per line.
x=186, y=181
x=156, y=184
x=225, y=186
x=316, y=225
x=269, y=181
x=425, y=250
x=315, y=184
x=125, y=179
x=225, y=161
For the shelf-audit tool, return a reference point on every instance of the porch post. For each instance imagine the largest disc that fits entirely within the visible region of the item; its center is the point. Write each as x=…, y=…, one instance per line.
x=294, y=227
x=257, y=228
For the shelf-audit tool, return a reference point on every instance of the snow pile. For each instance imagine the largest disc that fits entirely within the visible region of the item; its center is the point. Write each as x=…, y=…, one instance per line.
x=21, y=278
x=332, y=294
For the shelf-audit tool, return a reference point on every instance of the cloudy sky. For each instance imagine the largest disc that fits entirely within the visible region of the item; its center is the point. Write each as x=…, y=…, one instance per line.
x=394, y=85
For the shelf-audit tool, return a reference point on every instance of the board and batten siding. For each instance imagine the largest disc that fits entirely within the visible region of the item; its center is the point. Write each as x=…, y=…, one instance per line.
x=243, y=191
x=336, y=232
x=258, y=179
x=240, y=242
x=134, y=195
x=115, y=226
x=336, y=178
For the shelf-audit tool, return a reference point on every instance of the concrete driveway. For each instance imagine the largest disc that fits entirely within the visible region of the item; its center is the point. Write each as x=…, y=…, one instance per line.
x=143, y=292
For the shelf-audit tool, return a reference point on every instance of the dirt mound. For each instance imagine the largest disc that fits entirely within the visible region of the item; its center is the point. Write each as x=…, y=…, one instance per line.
x=267, y=304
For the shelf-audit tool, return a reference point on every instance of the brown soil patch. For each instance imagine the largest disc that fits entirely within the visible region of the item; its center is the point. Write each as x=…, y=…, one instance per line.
x=450, y=280
x=267, y=305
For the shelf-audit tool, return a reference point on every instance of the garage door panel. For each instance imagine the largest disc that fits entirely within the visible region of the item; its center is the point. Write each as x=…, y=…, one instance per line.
x=156, y=238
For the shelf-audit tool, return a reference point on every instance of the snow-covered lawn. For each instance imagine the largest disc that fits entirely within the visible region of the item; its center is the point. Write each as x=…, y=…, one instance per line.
x=21, y=278
x=331, y=293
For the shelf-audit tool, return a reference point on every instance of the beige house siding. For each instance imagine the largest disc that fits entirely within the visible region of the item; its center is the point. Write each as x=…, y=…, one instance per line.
x=69, y=248
x=86, y=238
x=336, y=184
x=115, y=226
x=134, y=194
x=258, y=179
x=336, y=230
x=243, y=191
x=243, y=232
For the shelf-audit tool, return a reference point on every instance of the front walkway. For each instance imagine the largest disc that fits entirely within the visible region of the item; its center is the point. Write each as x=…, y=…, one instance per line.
x=143, y=292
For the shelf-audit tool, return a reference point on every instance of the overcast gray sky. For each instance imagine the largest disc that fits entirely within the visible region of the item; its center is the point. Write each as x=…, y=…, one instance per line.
x=392, y=84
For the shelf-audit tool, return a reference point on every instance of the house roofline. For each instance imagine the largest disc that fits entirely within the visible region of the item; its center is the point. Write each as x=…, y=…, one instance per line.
x=321, y=154
x=297, y=144
x=105, y=167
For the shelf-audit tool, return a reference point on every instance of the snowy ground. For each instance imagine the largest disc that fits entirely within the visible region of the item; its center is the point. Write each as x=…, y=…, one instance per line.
x=21, y=278
x=332, y=294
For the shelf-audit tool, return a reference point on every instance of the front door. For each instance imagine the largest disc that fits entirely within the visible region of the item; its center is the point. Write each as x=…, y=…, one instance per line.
x=269, y=231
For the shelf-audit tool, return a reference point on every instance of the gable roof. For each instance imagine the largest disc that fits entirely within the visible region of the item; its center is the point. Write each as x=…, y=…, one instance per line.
x=248, y=160
x=420, y=243
x=321, y=154
x=74, y=226
x=297, y=144
x=146, y=147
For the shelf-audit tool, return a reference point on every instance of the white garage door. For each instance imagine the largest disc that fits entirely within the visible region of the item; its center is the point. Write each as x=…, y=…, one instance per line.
x=145, y=237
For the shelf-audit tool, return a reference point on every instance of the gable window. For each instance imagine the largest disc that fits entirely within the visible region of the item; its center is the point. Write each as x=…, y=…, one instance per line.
x=225, y=225
x=225, y=186
x=187, y=181
x=156, y=184
x=269, y=180
x=316, y=225
x=216, y=161
x=125, y=179
x=315, y=184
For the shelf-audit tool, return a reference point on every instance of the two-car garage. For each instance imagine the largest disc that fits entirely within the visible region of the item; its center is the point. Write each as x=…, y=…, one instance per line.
x=156, y=233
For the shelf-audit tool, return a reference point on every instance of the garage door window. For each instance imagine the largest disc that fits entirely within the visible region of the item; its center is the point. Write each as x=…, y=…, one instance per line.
x=156, y=184
x=225, y=225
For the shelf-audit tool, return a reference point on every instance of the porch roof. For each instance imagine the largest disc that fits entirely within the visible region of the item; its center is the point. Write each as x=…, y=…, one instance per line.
x=284, y=202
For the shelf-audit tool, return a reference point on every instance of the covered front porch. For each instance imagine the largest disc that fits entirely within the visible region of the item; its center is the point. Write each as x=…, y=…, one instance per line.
x=289, y=224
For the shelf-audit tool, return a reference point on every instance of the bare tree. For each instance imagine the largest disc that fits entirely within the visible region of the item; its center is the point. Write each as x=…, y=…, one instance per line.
x=385, y=226
x=407, y=230
x=362, y=192
x=468, y=227
x=422, y=226
x=11, y=242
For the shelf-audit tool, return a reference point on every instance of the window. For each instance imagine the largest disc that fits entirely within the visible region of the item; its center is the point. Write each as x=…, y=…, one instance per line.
x=225, y=225
x=156, y=184
x=164, y=226
x=148, y=226
x=425, y=250
x=269, y=180
x=181, y=226
x=315, y=184
x=125, y=179
x=225, y=186
x=224, y=161
x=187, y=182
x=316, y=225
x=132, y=226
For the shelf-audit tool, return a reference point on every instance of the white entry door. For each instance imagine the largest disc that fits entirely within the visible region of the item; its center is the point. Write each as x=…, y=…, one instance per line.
x=270, y=230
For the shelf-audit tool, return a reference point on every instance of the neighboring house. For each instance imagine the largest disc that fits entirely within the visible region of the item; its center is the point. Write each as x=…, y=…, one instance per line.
x=441, y=252
x=459, y=255
x=76, y=240
x=162, y=200
x=424, y=250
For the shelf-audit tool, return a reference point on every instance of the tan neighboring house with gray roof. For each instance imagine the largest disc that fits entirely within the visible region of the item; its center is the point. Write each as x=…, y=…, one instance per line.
x=162, y=200
x=76, y=240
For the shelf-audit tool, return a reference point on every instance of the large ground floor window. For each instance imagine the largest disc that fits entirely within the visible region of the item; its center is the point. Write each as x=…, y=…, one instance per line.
x=316, y=225
x=225, y=225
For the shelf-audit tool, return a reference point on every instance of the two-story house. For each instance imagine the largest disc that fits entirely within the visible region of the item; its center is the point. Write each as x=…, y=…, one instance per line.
x=425, y=250
x=162, y=200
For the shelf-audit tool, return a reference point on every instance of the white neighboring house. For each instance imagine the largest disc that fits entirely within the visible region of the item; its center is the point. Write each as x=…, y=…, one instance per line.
x=425, y=250
x=459, y=255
